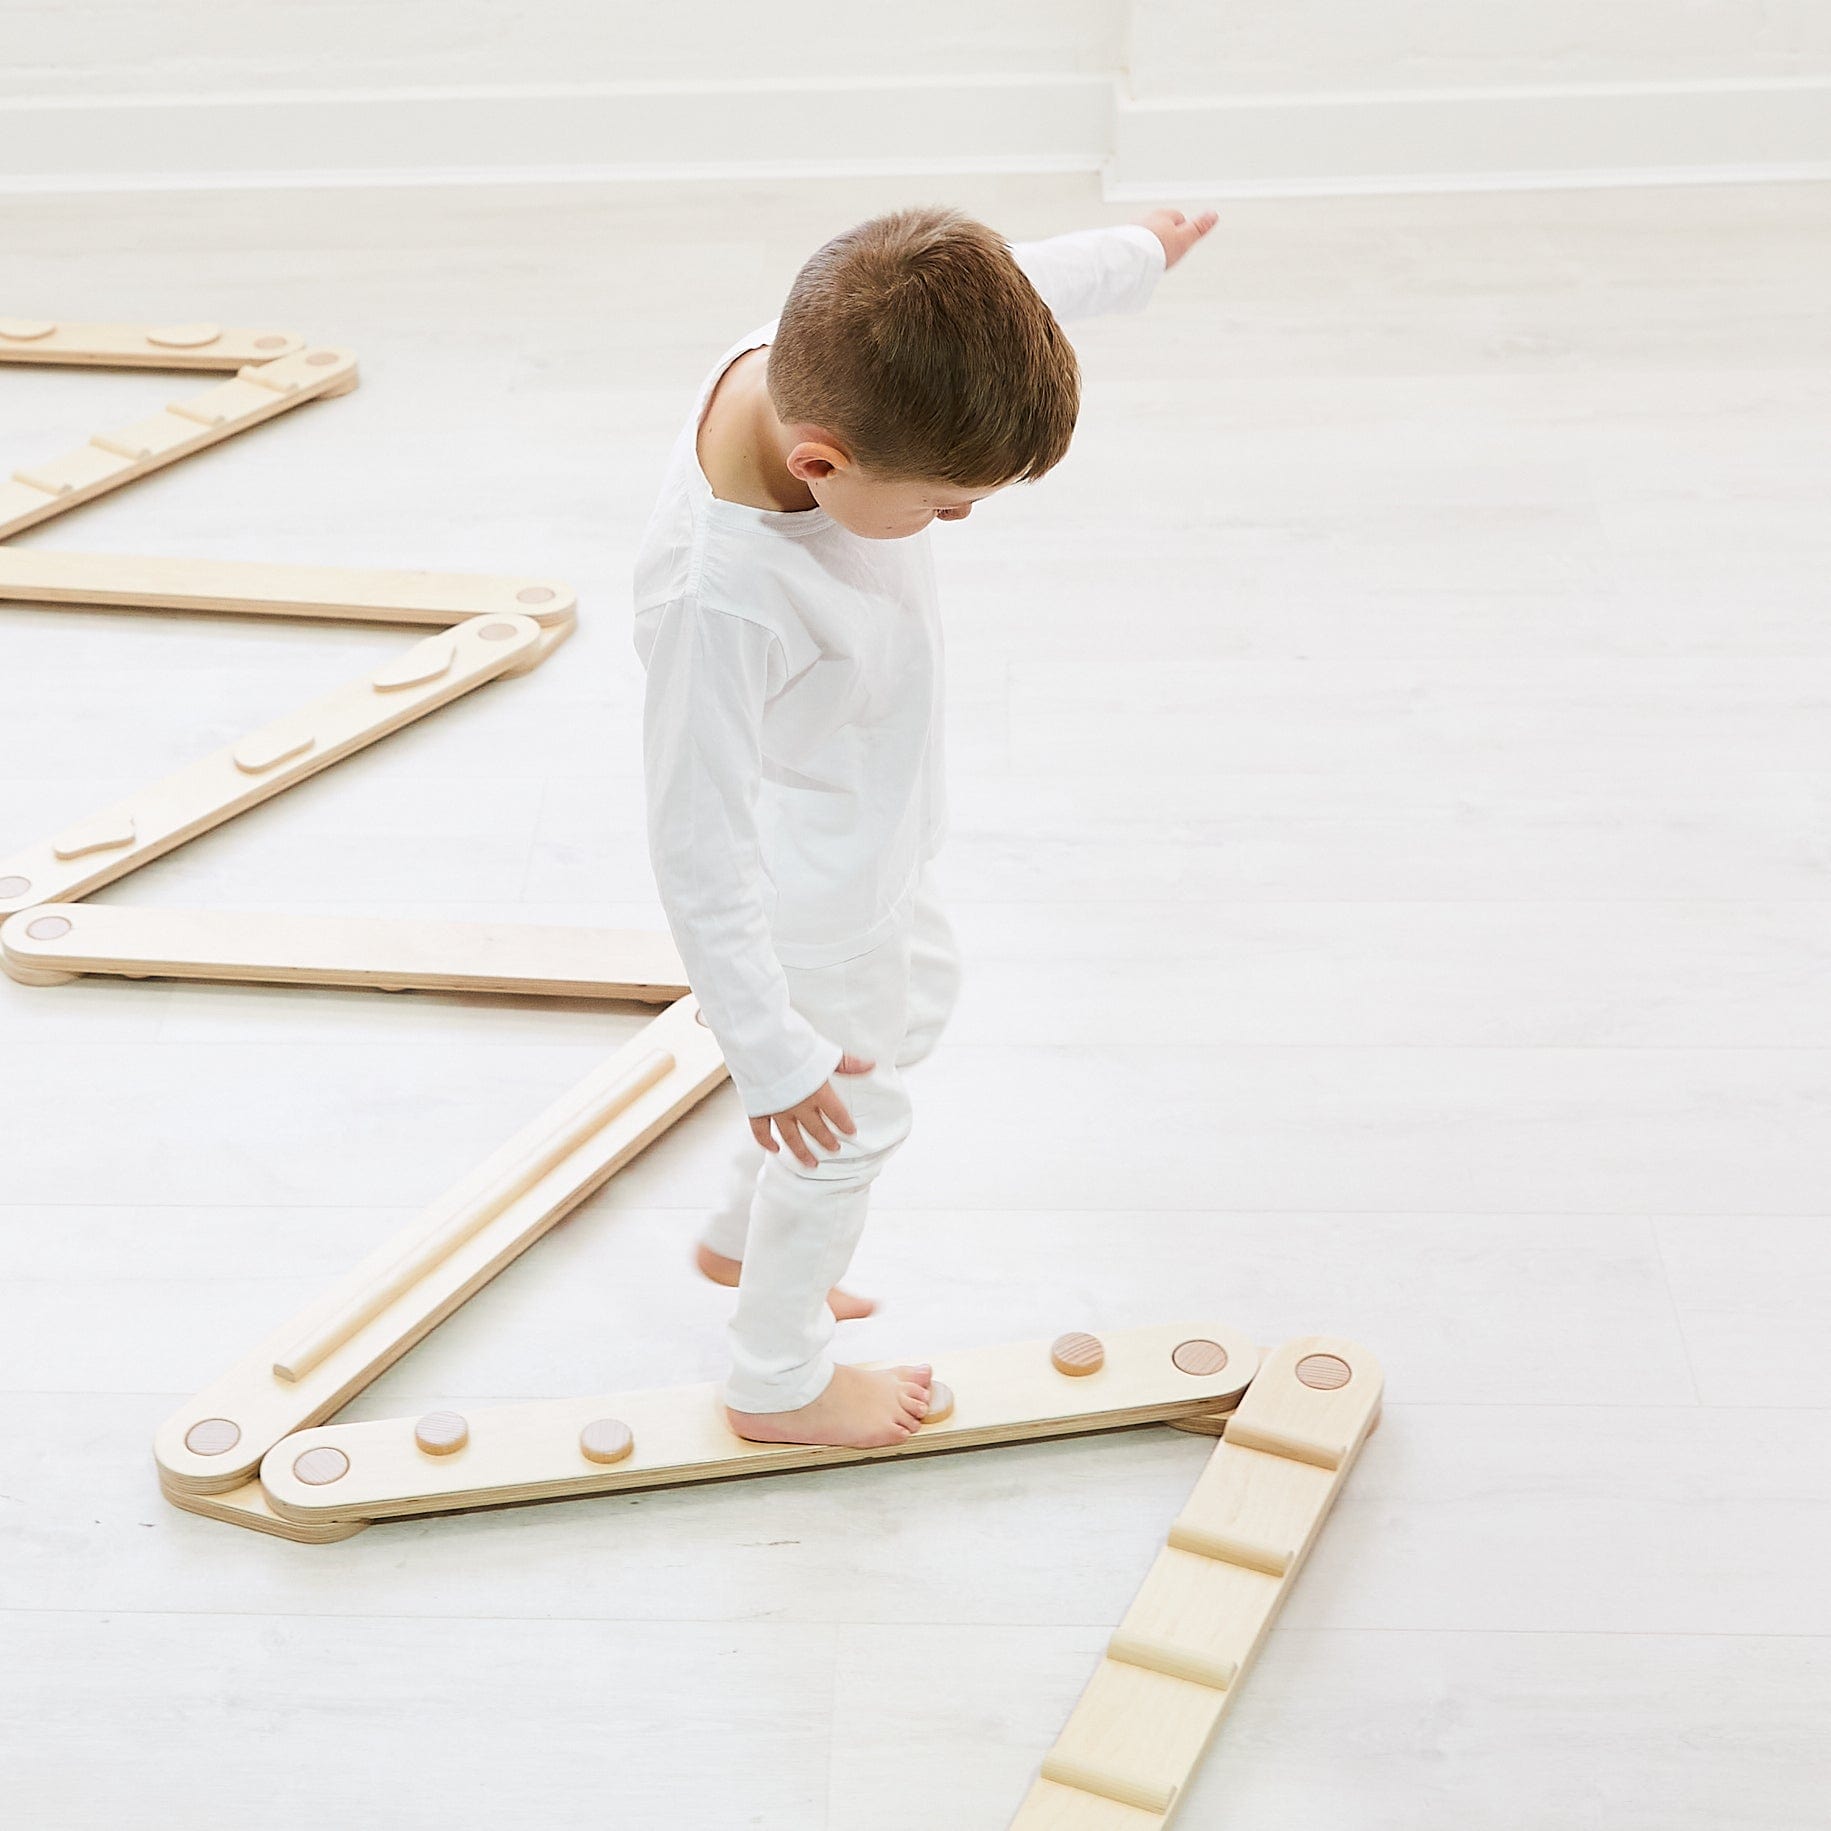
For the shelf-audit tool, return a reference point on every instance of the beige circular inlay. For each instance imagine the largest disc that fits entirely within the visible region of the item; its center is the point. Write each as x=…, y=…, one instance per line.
x=212, y=1436
x=1200, y=1358
x=25, y=330
x=184, y=336
x=1077, y=1355
x=1325, y=1372
x=536, y=594
x=271, y=343
x=940, y=1402
x=606, y=1440
x=48, y=928
x=319, y=359
x=497, y=632
x=11, y=887
x=316, y=1468
x=441, y=1433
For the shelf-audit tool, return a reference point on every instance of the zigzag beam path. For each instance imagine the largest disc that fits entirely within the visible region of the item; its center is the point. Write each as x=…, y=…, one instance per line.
x=1177, y=1660
x=213, y=1444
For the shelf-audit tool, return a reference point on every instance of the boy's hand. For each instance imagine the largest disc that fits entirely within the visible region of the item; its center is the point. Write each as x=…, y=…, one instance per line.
x=1177, y=232
x=816, y=1115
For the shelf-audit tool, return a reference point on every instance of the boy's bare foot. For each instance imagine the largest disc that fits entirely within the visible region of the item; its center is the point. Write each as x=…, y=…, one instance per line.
x=721, y=1270
x=859, y=1410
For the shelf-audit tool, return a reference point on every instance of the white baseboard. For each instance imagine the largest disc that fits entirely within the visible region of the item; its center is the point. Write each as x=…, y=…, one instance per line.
x=1461, y=140
x=1182, y=150
x=556, y=133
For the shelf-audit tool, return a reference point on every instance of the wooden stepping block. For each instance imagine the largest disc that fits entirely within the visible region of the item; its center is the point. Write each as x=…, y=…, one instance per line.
x=141, y=346
x=1176, y=1661
x=121, y=454
x=31, y=575
x=1008, y=1394
x=371, y=1317
x=218, y=787
x=53, y=943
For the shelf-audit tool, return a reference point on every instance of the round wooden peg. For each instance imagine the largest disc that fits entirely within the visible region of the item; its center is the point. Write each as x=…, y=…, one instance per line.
x=441, y=1433
x=940, y=1402
x=184, y=336
x=606, y=1440
x=536, y=594
x=25, y=330
x=1324, y=1372
x=320, y=1467
x=1077, y=1355
x=497, y=632
x=48, y=928
x=212, y=1436
x=1199, y=1357
x=11, y=887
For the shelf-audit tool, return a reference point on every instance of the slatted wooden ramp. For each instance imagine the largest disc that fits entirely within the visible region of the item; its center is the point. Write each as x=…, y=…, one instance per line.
x=1177, y=1660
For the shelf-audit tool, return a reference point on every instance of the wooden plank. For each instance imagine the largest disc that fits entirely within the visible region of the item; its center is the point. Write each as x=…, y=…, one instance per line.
x=53, y=943
x=203, y=795
x=1006, y=1394
x=119, y=455
x=1178, y=1658
x=215, y=1442
x=141, y=346
x=31, y=575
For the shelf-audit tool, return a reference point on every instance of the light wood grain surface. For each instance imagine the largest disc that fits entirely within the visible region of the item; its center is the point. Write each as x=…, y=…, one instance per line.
x=1387, y=763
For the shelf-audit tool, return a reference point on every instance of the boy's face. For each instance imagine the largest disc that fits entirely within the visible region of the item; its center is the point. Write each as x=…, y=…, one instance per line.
x=869, y=504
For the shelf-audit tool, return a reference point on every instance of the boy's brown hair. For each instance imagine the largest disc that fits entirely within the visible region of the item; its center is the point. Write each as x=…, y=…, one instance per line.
x=916, y=340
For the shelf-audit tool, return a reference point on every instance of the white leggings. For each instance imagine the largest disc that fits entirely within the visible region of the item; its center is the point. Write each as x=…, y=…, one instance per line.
x=795, y=1229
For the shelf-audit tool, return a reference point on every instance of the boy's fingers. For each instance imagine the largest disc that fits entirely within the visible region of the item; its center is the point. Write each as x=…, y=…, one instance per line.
x=759, y=1130
x=852, y=1064
x=791, y=1136
x=817, y=1129
x=829, y=1103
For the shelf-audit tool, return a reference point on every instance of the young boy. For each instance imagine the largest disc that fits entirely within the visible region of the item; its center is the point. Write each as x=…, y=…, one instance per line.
x=785, y=612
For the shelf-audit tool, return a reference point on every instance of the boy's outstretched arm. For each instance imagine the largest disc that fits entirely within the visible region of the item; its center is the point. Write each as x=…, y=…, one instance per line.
x=1090, y=272
x=709, y=674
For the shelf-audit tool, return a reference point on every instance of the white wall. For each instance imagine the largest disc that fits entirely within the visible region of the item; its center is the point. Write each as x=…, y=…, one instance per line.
x=1252, y=47
x=1164, y=97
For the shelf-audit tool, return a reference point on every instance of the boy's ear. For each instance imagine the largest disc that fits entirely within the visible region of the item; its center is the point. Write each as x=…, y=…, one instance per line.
x=817, y=458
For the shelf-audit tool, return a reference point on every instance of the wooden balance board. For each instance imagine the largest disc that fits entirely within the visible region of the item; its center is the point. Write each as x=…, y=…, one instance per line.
x=53, y=943
x=609, y=1444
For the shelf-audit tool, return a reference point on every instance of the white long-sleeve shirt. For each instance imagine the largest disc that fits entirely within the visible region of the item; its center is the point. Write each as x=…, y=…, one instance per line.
x=792, y=724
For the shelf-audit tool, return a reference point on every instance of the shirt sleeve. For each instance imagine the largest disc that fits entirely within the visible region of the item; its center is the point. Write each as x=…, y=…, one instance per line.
x=1094, y=271
x=709, y=676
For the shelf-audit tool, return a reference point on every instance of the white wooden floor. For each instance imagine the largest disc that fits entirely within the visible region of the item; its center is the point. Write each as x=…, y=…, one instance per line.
x=1389, y=762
